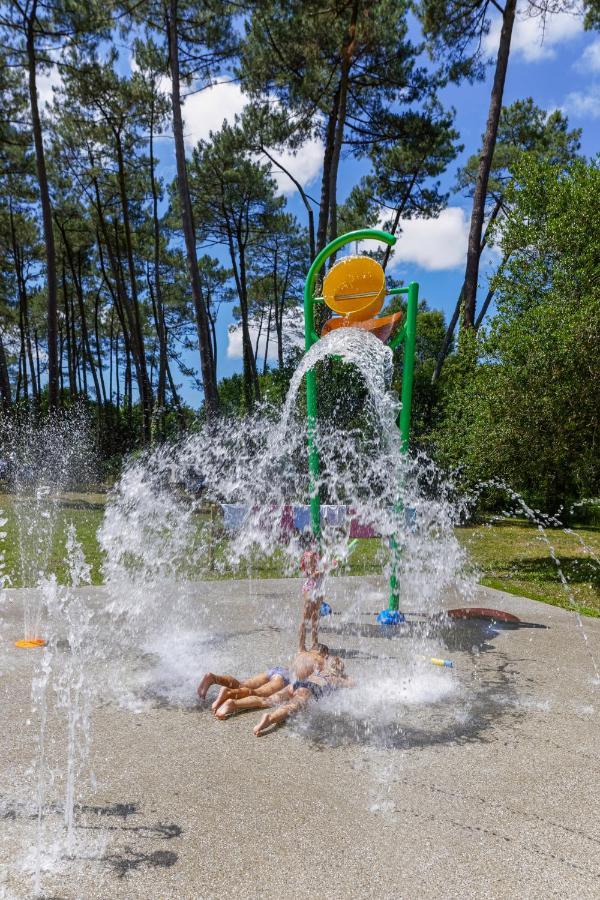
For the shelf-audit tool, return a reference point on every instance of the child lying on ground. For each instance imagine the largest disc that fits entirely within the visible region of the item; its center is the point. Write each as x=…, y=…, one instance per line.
x=308, y=684
x=266, y=683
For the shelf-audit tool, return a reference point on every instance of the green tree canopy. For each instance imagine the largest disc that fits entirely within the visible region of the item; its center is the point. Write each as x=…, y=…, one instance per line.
x=528, y=409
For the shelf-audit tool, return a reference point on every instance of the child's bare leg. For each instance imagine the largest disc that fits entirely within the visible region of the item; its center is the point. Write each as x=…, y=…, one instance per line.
x=273, y=686
x=245, y=688
x=279, y=715
x=314, y=622
x=302, y=632
x=232, y=706
x=283, y=696
x=302, y=635
x=256, y=681
x=227, y=694
x=253, y=701
x=209, y=679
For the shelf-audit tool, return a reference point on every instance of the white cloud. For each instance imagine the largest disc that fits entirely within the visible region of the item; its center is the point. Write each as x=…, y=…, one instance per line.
x=46, y=81
x=533, y=41
x=305, y=165
x=433, y=244
x=293, y=330
x=589, y=60
x=583, y=104
x=206, y=111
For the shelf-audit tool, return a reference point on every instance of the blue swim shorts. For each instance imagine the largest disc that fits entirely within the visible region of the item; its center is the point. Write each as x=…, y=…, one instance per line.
x=280, y=670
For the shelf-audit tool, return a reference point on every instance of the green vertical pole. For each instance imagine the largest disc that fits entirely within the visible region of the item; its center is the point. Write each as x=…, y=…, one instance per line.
x=313, y=455
x=310, y=338
x=408, y=369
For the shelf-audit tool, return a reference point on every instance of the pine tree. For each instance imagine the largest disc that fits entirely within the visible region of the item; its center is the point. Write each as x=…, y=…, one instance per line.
x=34, y=34
x=523, y=128
x=337, y=72
x=234, y=200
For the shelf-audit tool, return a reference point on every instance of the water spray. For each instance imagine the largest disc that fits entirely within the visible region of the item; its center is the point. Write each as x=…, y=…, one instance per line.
x=355, y=290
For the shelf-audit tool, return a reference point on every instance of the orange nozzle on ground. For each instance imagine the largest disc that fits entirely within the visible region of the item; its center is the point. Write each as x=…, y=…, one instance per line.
x=30, y=643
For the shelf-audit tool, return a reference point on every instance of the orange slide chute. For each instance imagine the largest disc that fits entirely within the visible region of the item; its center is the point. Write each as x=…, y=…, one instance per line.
x=383, y=328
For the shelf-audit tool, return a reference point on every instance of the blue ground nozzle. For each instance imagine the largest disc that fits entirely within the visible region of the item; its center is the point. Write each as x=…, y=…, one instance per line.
x=390, y=617
x=325, y=609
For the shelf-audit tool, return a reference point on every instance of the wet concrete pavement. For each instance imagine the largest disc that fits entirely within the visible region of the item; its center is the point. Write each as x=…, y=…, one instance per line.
x=480, y=781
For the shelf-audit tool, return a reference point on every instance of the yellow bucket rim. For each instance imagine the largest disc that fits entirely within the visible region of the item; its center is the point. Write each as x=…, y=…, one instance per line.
x=355, y=288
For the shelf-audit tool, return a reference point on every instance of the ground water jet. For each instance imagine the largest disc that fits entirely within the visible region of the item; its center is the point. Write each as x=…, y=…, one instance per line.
x=47, y=457
x=543, y=522
x=63, y=686
x=44, y=458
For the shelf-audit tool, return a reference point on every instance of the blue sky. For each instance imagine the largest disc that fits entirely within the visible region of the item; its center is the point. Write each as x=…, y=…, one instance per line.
x=558, y=69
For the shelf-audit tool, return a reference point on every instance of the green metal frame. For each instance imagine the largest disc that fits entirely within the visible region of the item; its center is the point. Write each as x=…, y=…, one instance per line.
x=407, y=335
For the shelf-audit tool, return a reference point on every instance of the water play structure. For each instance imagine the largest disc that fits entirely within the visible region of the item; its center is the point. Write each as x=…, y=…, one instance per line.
x=355, y=289
x=183, y=594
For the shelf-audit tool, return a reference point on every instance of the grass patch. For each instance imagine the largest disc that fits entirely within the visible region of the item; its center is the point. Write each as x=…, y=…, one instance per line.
x=513, y=556
x=84, y=513
x=510, y=556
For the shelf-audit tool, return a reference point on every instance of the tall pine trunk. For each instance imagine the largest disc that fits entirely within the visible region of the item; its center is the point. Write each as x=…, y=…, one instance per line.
x=324, y=202
x=5, y=391
x=347, y=53
x=485, y=164
x=68, y=341
x=445, y=348
x=26, y=348
x=238, y=264
x=85, y=337
x=98, y=346
x=157, y=301
x=23, y=355
x=137, y=332
x=52, y=292
x=209, y=376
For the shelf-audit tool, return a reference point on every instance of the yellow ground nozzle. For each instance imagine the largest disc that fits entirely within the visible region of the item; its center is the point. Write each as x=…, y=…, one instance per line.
x=31, y=643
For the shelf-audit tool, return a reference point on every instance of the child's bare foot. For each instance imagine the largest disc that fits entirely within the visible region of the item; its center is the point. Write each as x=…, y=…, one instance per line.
x=207, y=681
x=221, y=698
x=263, y=725
x=226, y=710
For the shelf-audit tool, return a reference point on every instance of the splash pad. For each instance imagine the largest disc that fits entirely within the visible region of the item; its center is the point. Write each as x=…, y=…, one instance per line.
x=405, y=751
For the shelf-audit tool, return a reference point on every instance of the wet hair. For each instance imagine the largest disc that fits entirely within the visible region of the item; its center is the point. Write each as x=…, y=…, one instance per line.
x=307, y=540
x=321, y=649
x=304, y=665
x=309, y=563
x=335, y=665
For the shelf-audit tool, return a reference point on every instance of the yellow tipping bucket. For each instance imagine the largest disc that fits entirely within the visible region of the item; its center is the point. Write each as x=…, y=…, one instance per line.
x=355, y=288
